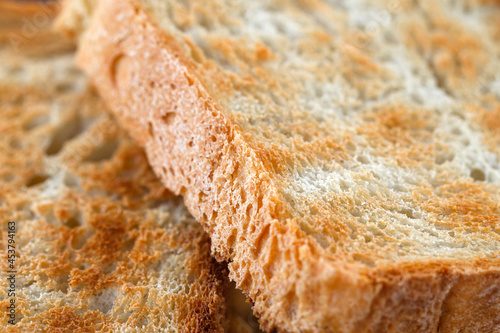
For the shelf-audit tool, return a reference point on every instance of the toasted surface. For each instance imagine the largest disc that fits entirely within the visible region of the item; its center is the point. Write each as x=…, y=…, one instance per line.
x=100, y=244
x=343, y=156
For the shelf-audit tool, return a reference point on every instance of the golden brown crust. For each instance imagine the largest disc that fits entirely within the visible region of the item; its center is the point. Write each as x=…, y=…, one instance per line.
x=169, y=107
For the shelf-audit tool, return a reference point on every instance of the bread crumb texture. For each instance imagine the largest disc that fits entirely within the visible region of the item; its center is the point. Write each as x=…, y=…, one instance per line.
x=343, y=155
x=101, y=245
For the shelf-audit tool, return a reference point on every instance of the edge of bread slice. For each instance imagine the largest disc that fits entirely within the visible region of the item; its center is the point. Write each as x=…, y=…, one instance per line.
x=170, y=106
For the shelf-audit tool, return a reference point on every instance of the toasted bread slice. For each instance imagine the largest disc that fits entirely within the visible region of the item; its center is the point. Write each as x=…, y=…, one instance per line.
x=100, y=244
x=338, y=153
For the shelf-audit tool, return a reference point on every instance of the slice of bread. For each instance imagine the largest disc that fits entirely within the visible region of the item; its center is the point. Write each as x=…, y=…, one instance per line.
x=100, y=245
x=343, y=155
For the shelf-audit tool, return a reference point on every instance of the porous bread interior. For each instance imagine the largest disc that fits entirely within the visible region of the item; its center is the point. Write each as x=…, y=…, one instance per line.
x=368, y=114
x=173, y=101
x=100, y=244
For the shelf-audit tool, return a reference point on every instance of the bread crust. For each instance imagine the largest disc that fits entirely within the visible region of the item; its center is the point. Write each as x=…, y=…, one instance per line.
x=199, y=152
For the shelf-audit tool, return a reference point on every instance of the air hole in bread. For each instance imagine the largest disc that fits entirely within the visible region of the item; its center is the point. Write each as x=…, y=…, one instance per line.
x=363, y=159
x=457, y=114
x=356, y=213
x=351, y=146
x=73, y=222
x=109, y=268
x=408, y=212
x=120, y=71
x=164, y=171
x=150, y=129
x=35, y=122
x=70, y=180
x=478, y=175
x=168, y=118
x=63, y=134
x=417, y=97
x=102, y=152
x=183, y=190
x=63, y=283
x=37, y=179
x=189, y=79
x=367, y=261
x=201, y=196
x=368, y=238
x=103, y=300
x=243, y=196
x=442, y=158
x=173, y=86
x=43, y=278
x=249, y=210
x=128, y=245
x=181, y=172
x=232, y=238
x=78, y=242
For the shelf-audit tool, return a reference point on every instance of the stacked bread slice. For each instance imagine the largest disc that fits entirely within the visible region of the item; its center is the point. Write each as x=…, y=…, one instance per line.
x=344, y=156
